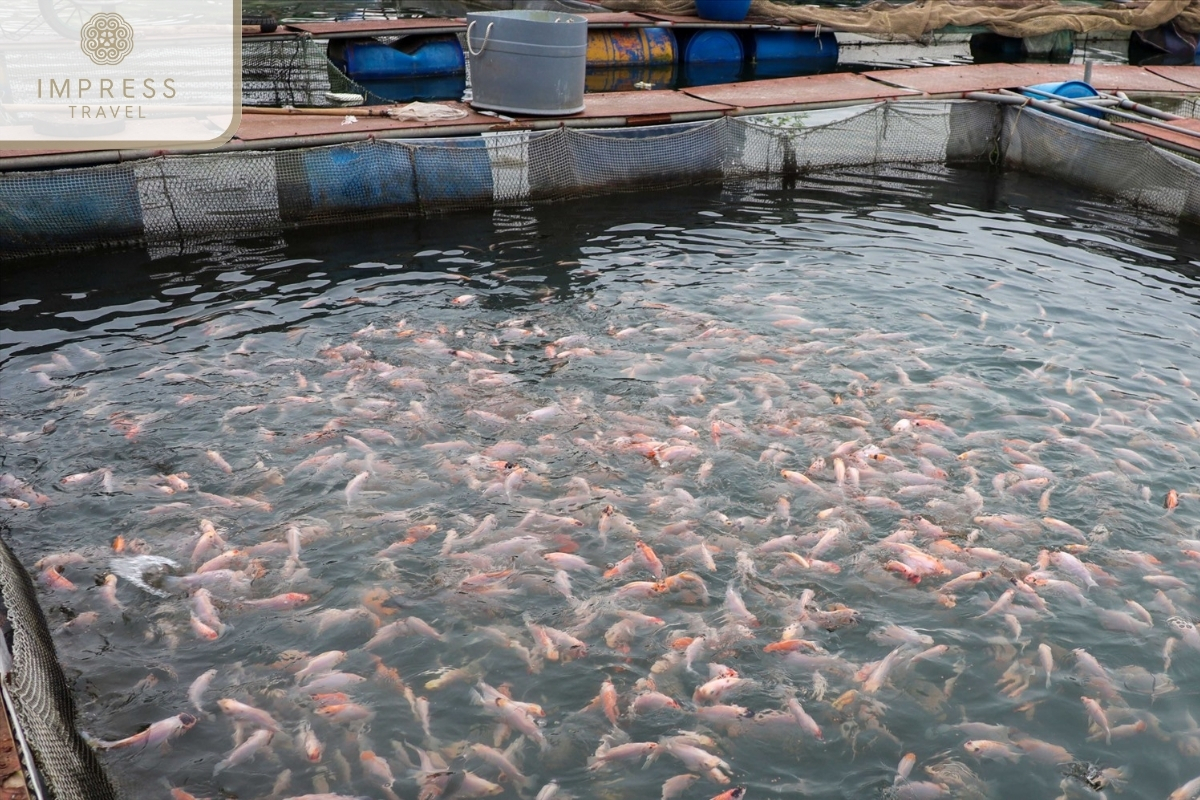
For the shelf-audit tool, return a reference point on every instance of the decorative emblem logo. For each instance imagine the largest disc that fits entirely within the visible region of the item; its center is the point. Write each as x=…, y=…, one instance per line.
x=106, y=38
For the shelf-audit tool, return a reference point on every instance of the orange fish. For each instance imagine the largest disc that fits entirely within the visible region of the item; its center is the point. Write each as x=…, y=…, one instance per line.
x=736, y=793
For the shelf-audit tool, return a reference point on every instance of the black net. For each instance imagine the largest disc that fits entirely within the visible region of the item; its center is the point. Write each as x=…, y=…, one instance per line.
x=41, y=698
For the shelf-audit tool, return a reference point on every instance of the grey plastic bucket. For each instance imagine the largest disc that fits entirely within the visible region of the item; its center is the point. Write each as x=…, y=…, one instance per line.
x=527, y=62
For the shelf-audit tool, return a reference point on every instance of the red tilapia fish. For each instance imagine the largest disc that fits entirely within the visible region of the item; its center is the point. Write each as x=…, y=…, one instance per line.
x=458, y=547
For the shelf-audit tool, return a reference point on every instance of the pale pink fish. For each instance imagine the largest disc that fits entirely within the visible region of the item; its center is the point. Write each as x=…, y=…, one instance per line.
x=1098, y=716
x=717, y=688
x=735, y=607
x=1047, y=660
x=230, y=559
x=905, y=767
x=829, y=538
x=1001, y=605
x=502, y=761
x=204, y=610
x=345, y=712
x=966, y=579
x=245, y=751
x=800, y=479
x=919, y=790
x=879, y=675
x=651, y=701
x=247, y=713
x=607, y=755
x=198, y=688
x=897, y=634
x=331, y=682
x=1189, y=791
x=1058, y=526
x=312, y=746
x=519, y=719
x=678, y=785
x=1073, y=567
x=1031, y=470
x=377, y=769
x=1120, y=621
x=158, y=733
x=1045, y=752
x=210, y=539
x=988, y=749
x=691, y=756
x=220, y=463
x=570, y=562
x=354, y=487
x=279, y=601
x=323, y=662
x=672, y=454
x=807, y=723
x=544, y=414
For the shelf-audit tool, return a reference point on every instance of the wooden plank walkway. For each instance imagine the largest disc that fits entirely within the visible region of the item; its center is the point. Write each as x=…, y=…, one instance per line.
x=264, y=130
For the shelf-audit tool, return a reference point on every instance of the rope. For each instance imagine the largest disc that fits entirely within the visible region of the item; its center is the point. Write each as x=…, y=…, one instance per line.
x=486, y=35
x=1016, y=18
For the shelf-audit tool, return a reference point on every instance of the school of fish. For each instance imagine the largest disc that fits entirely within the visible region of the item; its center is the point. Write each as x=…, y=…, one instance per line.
x=510, y=559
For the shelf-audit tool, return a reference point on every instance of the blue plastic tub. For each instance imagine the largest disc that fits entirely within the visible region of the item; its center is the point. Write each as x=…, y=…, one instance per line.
x=410, y=57
x=723, y=10
x=712, y=47
x=792, y=52
x=1072, y=90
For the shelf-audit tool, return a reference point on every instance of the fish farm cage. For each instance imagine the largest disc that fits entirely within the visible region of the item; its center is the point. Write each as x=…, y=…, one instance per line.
x=166, y=202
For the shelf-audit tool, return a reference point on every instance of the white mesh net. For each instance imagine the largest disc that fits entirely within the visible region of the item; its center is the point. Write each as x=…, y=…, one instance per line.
x=167, y=202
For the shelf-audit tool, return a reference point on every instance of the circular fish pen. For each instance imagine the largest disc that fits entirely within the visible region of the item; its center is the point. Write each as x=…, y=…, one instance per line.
x=823, y=458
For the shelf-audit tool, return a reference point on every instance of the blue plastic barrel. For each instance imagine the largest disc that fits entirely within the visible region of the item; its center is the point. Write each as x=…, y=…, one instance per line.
x=723, y=10
x=1072, y=90
x=409, y=57
x=712, y=47
x=781, y=53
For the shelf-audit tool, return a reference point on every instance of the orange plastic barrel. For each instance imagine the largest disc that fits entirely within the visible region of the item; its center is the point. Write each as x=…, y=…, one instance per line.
x=623, y=47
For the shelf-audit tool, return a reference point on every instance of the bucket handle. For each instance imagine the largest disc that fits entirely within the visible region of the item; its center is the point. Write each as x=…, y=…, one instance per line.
x=486, y=35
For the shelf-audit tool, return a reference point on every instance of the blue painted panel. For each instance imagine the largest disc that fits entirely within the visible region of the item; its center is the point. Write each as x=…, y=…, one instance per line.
x=358, y=176
x=52, y=209
x=453, y=172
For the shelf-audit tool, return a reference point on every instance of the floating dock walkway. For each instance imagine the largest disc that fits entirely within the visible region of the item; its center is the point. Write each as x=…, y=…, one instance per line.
x=273, y=129
x=290, y=167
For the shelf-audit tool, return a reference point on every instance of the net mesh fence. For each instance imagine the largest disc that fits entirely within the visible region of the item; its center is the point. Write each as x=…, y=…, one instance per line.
x=40, y=696
x=296, y=72
x=1133, y=171
x=166, y=202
